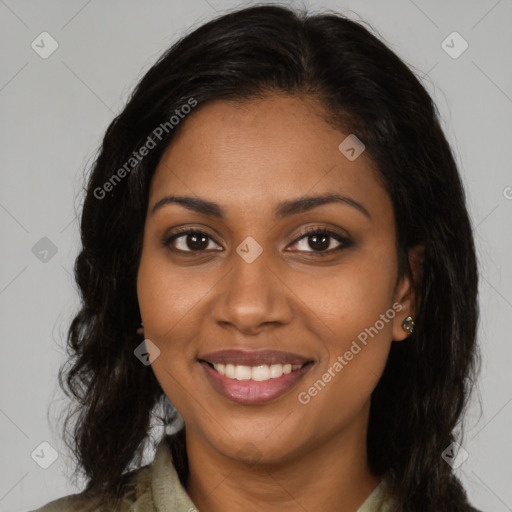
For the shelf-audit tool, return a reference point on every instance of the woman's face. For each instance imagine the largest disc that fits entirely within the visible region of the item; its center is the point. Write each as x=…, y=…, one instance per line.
x=255, y=282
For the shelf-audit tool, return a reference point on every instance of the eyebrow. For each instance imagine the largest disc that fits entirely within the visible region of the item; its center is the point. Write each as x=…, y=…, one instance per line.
x=283, y=209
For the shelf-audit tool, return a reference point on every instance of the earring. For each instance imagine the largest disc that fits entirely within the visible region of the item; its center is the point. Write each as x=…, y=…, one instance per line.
x=408, y=325
x=140, y=330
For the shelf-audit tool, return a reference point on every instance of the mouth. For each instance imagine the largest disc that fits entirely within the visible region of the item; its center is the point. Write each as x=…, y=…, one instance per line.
x=260, y=373
x=254, y=377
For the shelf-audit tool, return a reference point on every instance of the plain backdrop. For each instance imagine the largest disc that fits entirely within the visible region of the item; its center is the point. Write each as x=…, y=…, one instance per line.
x=54, y=112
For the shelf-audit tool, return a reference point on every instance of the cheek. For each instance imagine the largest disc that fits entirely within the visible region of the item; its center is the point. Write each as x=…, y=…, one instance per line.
x=351, y=311
x=168, y=297
x=350, y=297
x=172, y=301
x=359, y=317
x=166, y=304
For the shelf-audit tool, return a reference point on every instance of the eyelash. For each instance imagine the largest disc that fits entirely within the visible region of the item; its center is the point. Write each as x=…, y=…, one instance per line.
x=345, y=242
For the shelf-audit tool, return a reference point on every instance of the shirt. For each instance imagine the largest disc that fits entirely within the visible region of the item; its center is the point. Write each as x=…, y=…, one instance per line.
x=157, y=488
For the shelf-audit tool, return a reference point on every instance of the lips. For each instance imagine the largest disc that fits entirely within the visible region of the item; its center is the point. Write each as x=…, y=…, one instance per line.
x=254, y=377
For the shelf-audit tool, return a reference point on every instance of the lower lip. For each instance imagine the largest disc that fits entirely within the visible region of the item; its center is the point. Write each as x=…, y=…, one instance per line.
x=251, y=391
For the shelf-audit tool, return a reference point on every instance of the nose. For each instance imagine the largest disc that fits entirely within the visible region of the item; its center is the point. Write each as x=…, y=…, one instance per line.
x=252, y=297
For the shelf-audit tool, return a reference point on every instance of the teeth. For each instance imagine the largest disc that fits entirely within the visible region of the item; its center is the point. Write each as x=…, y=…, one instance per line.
x=257, y=373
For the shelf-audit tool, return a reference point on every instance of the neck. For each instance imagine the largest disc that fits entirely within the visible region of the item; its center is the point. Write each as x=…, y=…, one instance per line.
x=331, y=476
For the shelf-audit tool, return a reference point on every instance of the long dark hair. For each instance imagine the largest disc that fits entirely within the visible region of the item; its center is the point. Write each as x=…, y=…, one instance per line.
x=366, y=90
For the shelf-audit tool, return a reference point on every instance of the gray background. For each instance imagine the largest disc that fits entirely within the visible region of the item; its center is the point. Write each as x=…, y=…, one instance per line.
x=54, y=112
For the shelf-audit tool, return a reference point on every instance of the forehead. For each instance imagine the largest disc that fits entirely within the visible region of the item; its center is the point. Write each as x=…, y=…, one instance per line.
x=263, y=151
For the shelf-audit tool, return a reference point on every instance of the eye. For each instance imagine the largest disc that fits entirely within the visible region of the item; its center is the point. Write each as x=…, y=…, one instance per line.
x=189, y=240
x=322, y=242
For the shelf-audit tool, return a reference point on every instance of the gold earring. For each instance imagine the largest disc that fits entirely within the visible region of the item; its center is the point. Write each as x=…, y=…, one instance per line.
x=408, y=325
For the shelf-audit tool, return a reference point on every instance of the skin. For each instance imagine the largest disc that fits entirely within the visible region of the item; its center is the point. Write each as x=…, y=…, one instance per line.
x=247, y=157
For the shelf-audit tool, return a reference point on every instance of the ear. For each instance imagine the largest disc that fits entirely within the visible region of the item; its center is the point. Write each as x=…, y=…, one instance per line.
x=407, y=292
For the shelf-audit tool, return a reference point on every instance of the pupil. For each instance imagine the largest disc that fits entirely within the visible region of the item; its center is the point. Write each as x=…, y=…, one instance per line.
x=195, y=245
x=324, y=244
x=198, y=242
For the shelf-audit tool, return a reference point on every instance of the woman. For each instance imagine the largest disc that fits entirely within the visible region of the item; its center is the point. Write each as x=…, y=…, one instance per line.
x=276, y=242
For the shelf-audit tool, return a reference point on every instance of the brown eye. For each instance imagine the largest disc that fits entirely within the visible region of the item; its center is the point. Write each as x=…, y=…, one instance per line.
x=322, y=242
x=191, y=240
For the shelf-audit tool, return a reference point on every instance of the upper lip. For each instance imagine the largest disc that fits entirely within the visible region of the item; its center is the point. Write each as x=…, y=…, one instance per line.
x=253, y=358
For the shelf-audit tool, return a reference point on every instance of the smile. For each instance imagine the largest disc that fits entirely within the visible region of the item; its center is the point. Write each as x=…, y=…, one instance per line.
x=253, y=377
x=257, y=373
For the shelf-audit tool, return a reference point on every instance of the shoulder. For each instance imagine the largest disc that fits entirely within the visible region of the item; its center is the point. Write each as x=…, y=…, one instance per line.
x=156, y=486
x=136, y=487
